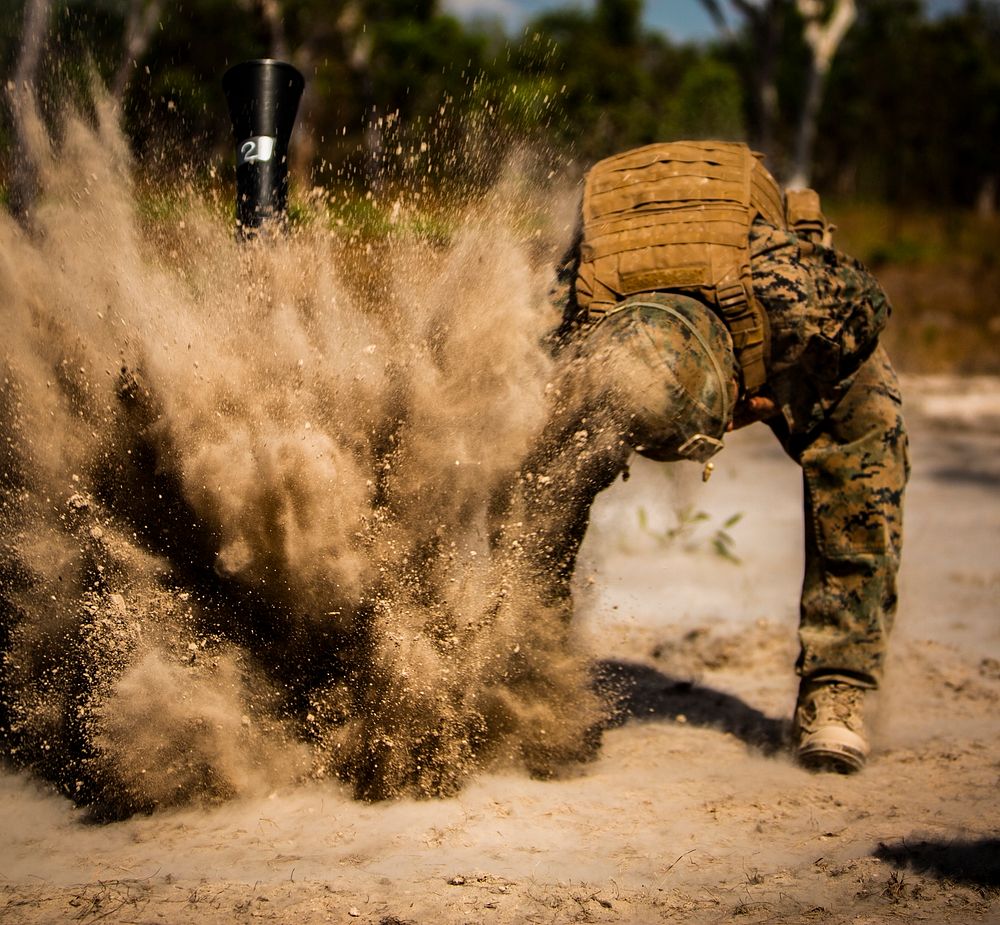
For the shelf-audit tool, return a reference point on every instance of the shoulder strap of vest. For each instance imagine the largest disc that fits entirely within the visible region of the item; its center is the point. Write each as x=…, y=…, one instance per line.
x=749, y=329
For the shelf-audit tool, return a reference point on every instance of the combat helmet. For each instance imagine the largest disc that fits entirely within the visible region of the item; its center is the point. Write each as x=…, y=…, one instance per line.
x=665, y=366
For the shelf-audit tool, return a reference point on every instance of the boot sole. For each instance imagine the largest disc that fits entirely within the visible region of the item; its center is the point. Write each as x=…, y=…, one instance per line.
x=833, y=748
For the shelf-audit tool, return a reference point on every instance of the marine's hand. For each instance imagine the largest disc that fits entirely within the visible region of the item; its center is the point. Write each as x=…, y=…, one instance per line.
x=754, y=408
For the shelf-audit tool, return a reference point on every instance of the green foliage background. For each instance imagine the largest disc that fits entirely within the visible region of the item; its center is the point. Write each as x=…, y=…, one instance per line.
x=401, y=94
x=911, y=113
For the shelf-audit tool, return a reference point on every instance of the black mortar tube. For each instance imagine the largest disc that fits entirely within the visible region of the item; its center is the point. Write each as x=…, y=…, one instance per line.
x=263, y=97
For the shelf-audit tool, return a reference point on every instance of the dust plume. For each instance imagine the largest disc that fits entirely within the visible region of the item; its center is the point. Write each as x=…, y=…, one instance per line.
x=250, y=517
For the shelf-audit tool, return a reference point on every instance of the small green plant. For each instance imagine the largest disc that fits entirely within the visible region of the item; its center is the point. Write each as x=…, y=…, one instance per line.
x=723, y=542
x=687, y=530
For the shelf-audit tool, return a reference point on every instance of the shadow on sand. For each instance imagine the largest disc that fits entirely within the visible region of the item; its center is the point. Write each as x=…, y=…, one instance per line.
x=973, y=862
x=639, y=692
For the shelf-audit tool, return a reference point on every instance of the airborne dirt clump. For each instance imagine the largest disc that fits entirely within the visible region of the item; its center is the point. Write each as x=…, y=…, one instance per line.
x=250, y=510
x=247, y=512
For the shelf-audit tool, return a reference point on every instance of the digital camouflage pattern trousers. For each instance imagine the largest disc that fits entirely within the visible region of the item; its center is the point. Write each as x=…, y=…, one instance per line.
x=854, y=468
x=841, y=421
x=839, y=417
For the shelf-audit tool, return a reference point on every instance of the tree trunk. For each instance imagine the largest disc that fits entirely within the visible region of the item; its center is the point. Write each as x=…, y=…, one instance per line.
x=767, y=27
x=764, y=23
x=141, y=20
x=303, y=152
x=714, y=10
x=34, y=30
x=986, y=200
x=273, y=18
x=823, y=36
x=357, y=45
x=23, y=186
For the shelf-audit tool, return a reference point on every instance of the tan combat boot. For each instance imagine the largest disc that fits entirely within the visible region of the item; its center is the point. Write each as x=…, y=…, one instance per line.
x=829, y=731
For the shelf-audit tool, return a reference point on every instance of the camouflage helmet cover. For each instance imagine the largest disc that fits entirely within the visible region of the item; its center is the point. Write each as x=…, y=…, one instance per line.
x=665, y=362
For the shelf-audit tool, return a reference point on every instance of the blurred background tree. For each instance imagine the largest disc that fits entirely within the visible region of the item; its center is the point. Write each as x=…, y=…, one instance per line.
x=872, y=98
x=889, y=108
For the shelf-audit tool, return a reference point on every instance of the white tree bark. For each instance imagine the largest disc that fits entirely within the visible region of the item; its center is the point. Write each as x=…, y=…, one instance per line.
x=823, y=31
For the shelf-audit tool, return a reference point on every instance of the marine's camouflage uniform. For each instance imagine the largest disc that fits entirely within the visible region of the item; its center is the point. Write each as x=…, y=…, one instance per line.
x=840, y=419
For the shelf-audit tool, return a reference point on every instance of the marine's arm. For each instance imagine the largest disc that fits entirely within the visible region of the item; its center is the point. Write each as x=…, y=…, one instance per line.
x=547, y=510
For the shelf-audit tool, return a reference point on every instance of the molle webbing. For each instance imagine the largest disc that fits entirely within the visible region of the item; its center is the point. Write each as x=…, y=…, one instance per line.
x=677, y=217
x=805, y=217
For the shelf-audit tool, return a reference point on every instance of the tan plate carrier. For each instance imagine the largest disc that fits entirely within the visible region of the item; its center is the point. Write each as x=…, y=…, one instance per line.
x=676, y=217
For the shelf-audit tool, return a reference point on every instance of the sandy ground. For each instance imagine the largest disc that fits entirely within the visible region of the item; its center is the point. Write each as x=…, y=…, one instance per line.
x=692, y=812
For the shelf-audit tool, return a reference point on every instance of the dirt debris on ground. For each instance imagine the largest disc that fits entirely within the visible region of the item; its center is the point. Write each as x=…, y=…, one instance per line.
x=175, y=579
